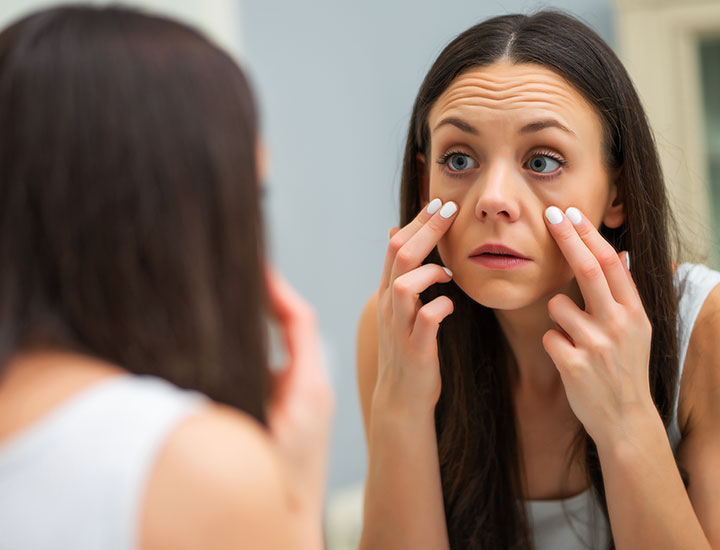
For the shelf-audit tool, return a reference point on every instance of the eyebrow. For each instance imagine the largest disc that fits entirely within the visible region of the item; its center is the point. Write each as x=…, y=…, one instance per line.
x=542, y=124
x=460, y=124
x=527, y=129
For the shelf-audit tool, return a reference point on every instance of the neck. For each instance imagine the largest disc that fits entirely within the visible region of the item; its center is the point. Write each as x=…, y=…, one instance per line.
x=524, y=328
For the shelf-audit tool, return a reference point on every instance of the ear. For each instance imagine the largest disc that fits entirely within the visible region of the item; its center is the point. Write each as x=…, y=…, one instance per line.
x=615, y=209
x=423, y=179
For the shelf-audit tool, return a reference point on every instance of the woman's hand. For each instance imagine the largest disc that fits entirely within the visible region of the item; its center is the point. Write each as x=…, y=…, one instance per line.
x=603, y=355
x=300, y=414
x=408, y=367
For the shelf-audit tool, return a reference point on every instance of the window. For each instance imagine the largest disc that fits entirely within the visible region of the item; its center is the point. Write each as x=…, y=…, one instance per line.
x=709, y=50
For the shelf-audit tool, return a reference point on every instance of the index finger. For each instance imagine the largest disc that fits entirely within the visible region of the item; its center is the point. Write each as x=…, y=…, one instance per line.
x=305, y=366
x=608, y=258
x=588, y=272
x=399, y=238
x=419, y=245
x=296, y=319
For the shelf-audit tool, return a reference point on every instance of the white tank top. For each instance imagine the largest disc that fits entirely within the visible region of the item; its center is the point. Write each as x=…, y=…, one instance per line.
x=75, y=479
x=578, y=522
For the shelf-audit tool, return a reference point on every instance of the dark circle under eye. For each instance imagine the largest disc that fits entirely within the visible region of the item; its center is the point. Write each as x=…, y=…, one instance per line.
x=543, y=164
x=459, y=163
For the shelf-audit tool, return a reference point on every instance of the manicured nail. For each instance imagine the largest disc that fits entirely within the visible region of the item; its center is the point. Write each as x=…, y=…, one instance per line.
x=448, y=209
x=434, y=206
x=574, y=215
x=627, y=260
x=554, y=215
x=447, y=271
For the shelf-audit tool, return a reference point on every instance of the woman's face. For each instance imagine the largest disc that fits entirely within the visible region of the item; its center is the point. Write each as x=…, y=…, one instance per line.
x=507, y=141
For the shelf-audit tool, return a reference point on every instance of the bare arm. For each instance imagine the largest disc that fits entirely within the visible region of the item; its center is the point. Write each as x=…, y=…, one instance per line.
x=403, y=494
x=399, y=380
x=603, y=360
x=649, y=506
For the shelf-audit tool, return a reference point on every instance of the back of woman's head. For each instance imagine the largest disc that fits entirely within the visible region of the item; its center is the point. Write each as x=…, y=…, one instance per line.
x=129, y=217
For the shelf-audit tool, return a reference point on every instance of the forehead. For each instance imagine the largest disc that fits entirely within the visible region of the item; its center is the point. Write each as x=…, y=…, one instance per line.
x=511, y=91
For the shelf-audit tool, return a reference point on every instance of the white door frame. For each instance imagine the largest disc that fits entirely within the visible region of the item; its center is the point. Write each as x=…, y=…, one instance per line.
x=218, y=19
x=658, y=44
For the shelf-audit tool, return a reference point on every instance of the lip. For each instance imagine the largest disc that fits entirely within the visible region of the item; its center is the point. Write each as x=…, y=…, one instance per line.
x=489, y=255
x=497, y=248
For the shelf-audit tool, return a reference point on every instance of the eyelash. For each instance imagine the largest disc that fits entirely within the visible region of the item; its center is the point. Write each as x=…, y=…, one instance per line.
x=539, y=152
x=550, y=154
x=444, y=159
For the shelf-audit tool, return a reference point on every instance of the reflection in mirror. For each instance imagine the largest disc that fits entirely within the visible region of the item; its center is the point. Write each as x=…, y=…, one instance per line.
x=521, y=364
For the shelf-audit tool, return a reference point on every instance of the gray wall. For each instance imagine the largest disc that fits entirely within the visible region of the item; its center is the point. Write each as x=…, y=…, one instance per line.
x=336, y=81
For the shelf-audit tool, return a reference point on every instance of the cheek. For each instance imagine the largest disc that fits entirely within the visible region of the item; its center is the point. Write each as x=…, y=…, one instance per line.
x=447, y=188
x=449, y=245
x=587, y=190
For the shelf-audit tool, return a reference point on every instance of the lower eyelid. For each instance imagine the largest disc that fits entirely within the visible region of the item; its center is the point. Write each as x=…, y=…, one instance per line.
x=548, y=176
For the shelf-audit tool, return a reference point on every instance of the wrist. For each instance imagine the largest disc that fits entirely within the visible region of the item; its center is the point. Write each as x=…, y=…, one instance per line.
x=388, y=408
x=640, y=427
x=310, y=531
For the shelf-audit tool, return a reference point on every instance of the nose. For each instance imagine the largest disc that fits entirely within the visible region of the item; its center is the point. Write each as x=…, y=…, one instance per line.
x=497, y=198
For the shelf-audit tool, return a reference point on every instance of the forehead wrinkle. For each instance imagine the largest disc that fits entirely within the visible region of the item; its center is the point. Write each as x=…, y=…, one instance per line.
x=471, y=95
x=509, y=104
x=467, y=110
x=471, y=90
x=509, y=83
x=458, y=102
x=482, y=94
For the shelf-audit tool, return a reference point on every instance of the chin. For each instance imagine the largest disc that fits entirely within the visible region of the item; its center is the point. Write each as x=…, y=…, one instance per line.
x=499, y=294
x=508, y=294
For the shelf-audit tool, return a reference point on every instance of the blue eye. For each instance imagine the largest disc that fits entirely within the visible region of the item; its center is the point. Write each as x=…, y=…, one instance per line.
x=543, y=164
x=457, y=162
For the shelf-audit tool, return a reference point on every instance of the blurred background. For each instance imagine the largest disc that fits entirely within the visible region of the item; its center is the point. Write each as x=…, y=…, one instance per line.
x=336, y=81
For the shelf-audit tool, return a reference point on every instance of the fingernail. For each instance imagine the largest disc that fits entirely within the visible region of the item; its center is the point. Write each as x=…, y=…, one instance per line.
x=627, y=260
x=447, y=271
x=434, y=206
x=448, y=209
x=554, y=215
x=574, y=215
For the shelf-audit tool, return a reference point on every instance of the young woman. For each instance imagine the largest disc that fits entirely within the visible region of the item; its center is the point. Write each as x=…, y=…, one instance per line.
x=521, y=387
x=131, y=244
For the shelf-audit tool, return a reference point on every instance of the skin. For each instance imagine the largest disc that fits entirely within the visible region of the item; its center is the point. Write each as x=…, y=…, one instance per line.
x=502, y=199
x=572, y=317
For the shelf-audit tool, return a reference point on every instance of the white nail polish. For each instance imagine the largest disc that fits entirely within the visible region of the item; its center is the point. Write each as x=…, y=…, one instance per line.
x=448, y=271
x=574, y=215
x=434, y=206
x=627, y=260
x=448, y=209
x=554, y=215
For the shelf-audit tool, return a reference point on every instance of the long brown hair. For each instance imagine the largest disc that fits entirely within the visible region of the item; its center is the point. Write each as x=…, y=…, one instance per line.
x=130, y=225
x=477, y=441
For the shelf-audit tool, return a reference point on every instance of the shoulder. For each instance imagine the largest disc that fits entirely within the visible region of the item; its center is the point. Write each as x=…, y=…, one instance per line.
x=700, y=387
x=215, y=484
x=699, y=411
x=367, y=349
x=367, y=325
